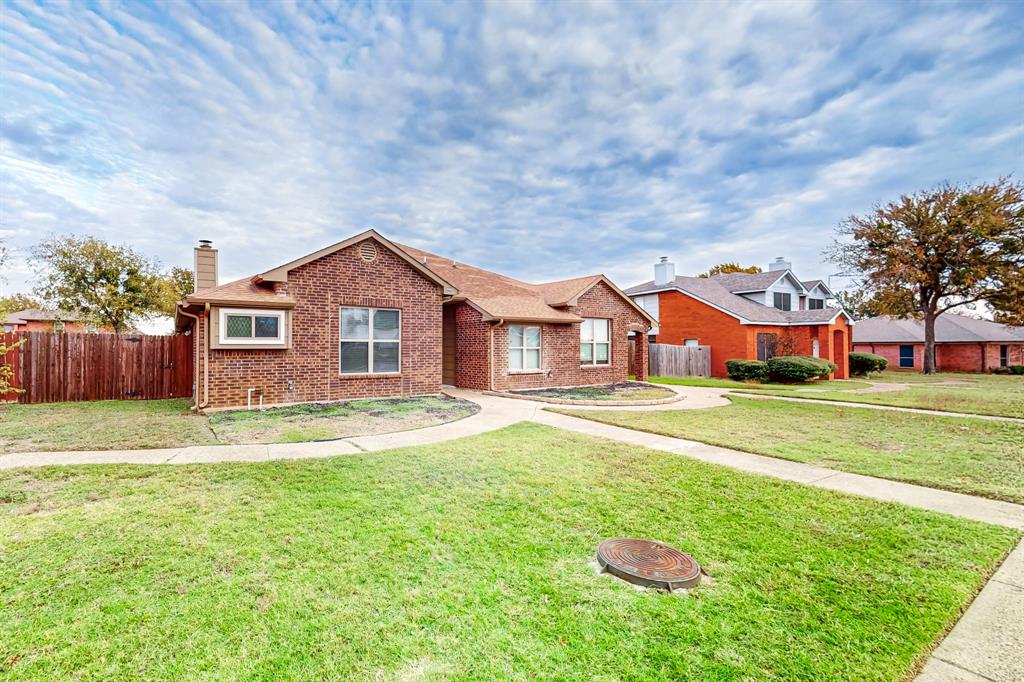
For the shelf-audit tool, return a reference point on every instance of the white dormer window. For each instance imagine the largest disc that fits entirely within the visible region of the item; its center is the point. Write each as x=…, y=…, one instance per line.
x=783, y=301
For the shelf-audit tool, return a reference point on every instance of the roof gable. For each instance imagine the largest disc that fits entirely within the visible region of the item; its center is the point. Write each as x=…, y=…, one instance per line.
x=750, y=282
x=280, y=273
x=715, y=293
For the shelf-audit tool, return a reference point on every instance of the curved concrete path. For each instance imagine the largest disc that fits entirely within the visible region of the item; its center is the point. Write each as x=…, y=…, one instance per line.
x=986, y=644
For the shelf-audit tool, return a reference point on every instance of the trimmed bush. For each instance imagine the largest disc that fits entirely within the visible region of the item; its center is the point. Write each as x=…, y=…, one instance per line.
x=1016, y=369
x=746, y=370
x=863, y=364
x=789, y=369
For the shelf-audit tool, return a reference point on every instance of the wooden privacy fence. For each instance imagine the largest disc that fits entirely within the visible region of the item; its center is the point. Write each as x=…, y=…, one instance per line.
x=679, y=361
x=57, y=367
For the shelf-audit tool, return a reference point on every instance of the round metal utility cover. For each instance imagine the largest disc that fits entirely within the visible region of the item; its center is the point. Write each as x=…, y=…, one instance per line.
x=648, y=563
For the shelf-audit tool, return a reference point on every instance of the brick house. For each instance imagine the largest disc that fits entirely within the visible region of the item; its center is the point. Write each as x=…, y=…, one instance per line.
x=746, y=316
x=368, y=317
x=962, y=344
x=36, y=320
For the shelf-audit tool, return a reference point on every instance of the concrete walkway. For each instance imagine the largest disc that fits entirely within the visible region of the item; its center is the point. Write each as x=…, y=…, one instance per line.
x=986, y=644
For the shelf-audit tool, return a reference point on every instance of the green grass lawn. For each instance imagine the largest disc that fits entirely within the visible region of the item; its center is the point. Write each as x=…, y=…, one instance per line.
x=138, y=424
x=991, y=394
x=472, y=560
x=966, y=455
x=101, y=425
x=713, y=382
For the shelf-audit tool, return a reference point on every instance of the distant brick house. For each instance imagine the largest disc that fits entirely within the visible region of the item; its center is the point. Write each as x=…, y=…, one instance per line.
x=746, y=316
x=962, y=344
x=368, y=317
x=36, y=320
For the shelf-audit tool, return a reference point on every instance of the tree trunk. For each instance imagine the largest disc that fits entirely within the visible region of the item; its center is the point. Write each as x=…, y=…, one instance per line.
x=929, y=342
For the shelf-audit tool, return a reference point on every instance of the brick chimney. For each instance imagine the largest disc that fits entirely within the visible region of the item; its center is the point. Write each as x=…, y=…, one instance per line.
x=204, y=273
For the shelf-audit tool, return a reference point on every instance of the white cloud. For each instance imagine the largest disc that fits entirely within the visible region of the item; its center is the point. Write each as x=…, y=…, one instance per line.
x=545, y=141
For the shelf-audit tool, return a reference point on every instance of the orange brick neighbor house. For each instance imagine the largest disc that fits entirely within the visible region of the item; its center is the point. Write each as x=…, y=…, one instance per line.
x=962, y=344
x=368, y=317
x=747, y=316
x=36, y=320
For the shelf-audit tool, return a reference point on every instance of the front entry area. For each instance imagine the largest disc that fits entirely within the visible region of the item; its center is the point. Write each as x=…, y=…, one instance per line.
x=448, y=346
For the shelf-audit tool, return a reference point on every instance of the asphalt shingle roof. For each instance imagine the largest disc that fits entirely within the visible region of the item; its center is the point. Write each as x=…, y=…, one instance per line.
x=503, y=297
x=949, y=328
x=748, y=281
x=717, y=292
x=28, y=314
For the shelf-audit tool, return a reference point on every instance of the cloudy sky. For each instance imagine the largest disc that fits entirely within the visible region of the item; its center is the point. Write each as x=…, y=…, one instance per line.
x=541, y=140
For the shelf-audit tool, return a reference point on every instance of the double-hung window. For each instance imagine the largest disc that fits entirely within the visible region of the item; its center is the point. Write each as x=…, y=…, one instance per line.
x=783, y=301
x=906, y=356
x=595, y=343
x=371, y=341
x=242, y=326
x=523, y=348
x=1004, y=356
x=815, y=304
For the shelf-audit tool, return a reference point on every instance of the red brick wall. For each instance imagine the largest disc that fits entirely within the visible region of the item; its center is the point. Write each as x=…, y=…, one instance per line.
x=681, y=317
x=320, y=288
x=961, y=357
x=69, y=327
x=472, y=347
x=560, y=347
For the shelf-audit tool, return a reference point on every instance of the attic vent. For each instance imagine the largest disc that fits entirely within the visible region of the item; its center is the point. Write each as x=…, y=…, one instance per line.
x=368, y=251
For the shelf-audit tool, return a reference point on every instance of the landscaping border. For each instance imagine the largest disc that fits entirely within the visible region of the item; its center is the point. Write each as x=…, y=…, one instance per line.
x=591, y=403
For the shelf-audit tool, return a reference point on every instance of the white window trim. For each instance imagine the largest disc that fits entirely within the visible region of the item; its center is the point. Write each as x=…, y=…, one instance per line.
x=226, y=340
x=539, y=348
x=593, y=351
x=369, y=340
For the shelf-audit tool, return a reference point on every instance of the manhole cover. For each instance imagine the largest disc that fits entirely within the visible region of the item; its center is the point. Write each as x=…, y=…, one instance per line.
x=648, y=563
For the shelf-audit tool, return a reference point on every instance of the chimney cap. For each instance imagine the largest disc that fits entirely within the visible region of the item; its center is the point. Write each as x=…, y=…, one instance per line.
x=664, y=259
x=205, y=244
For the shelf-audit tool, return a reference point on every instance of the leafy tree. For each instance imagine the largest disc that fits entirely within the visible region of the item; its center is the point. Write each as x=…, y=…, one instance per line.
x=15, y=302
x=934, y=250
x=858, y=303
x=108, y=284
x=726, y=268
x=1008, y=303
x=176, y=284
x=4, y=255
x=6, y=370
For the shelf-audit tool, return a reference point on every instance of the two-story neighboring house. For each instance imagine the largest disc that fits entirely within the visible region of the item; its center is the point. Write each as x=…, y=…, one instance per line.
x=747, y=316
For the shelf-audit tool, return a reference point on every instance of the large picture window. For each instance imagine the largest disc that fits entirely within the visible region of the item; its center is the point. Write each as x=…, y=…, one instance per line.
x=371, y=341
x=242, y=326
x=595, y=342
x=523, y=348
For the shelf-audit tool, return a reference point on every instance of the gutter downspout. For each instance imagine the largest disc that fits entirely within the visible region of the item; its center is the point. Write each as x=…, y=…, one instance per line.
x=206, y=359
